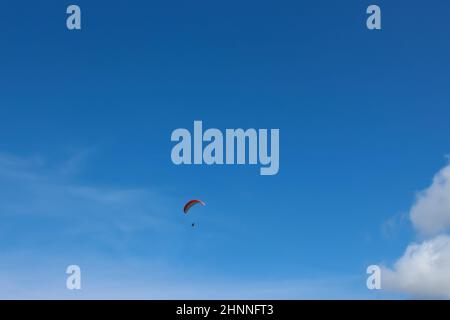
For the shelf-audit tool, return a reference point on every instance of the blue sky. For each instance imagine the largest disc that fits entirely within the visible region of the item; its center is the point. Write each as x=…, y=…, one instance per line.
x=86, y=117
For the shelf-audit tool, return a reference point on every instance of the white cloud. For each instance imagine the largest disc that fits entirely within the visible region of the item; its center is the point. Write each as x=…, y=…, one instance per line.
x=430, y=214
x=423, y=270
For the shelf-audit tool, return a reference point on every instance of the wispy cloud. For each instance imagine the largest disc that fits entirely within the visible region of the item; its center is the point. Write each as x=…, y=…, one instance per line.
x=117, y=235
x=37, y=201
x=76, y=161
x=123, y=279
x=391, y=225
x=127, y=241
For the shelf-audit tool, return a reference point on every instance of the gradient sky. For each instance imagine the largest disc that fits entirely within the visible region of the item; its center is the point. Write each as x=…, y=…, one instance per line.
x=86, y=117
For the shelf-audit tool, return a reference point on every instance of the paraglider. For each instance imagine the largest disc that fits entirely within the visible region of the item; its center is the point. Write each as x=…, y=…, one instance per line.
x=189, y=205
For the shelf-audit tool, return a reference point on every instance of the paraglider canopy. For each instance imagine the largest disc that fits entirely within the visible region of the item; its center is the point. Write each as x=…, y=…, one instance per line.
x=190, y=204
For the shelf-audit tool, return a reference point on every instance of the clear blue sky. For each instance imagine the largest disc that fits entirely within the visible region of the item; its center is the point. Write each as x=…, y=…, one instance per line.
x=85, y=121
